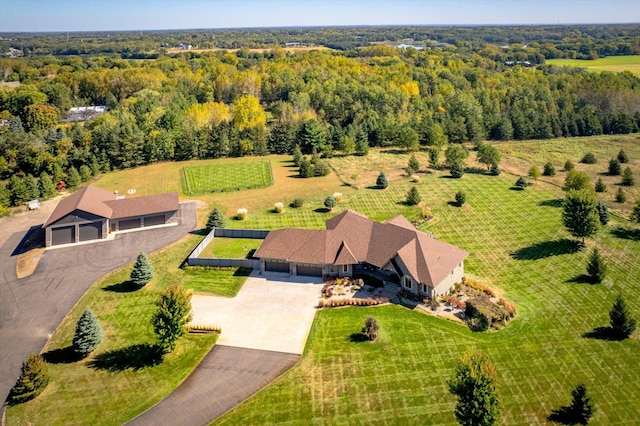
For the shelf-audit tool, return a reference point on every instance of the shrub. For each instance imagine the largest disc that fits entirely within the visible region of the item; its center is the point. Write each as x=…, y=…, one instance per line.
x=204, y=328
x=576, y=180
x=242, y=214
x=425, y=211
x=615, y=168
x=321, y=168
x=278, y=207
x=370, y=328
x=338, y=196
x=509, y=307
x=142, y=271
x=621, y=197
x=456, y=170
x=549, y=169
x=88, y=334
x=589, y=158
x=382, y=182
x=297, y=203
x=521, y=183
x=568, y=166
x=495, y=169
x=627, y=177
x=34, y=378
x=460, y=198
x=413, y=196
x=600, y=186
x=216, y=220
x=484, y=311
x=596, y=266
x=330, y=202
x=622, y=157
x=297, y=156
x=306, y=168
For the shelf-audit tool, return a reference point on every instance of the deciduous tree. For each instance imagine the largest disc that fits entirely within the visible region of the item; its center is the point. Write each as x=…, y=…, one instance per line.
x=534, y=172
x=488, y=155
x=247, y=113
x=576, y=180
x=330, y=202
x=579, y=213
x=173, y=314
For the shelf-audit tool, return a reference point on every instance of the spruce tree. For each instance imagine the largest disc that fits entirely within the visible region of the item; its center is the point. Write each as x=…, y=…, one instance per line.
x=521, y=183
x=216, y=220
x=600, y=186
x=32, y=188
x=461, y=198
x=414, y=164
x=603, y=213
x=621, y=197
x=549, y=169
x=627, y=177
x=582, y=407
x=382, y=182
x=413, y=196
x=297, y=156
x=615, y=168
x=142, y=271
x=47, y=187
x=622, y=157
x=88, y=334
x=73, y=178
x=34, y=378
x=596, y=266
x=622, y=323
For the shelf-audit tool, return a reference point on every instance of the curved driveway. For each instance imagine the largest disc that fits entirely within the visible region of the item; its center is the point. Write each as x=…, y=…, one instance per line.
x=32, y=308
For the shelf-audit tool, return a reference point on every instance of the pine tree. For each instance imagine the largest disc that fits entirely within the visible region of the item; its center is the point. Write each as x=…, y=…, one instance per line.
x=615, y=168
x=600, y=186
x=461, y=198
x=603, y=213
x=370, y=328
x=34, y=378
x=31, y=185
x=621, y=197
x=17, y=191
x=522, y=183
x=216, y=220
x=173, y=314
x=627, y=177
x=73, y=178
x=382, y=182
x=549, y=169
x=88, y=334
x=568, y=166
x=622, y=157
x=142, y=271
x=596, y=266
x=297, y=156
x=414, y=164
x=582, y=407
x=47, y=187
x=474, y=384
x=413, y=196
x=622, y=323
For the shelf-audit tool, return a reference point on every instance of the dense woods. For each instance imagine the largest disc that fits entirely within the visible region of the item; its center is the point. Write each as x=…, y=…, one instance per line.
x=222, y=103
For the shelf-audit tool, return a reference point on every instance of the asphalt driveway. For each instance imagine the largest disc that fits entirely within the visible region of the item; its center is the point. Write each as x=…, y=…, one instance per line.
x=31, y=308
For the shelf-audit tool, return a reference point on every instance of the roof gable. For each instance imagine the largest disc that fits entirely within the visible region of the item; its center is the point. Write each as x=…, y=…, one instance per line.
x=89, y=199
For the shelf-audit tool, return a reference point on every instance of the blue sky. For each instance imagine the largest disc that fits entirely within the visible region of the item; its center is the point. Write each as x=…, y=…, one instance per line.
x=83, y=15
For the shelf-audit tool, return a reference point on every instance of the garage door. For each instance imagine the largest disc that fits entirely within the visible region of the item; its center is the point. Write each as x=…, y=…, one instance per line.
x=64, y=235
x=91, y=231
x=312, y=271
x=129, y=224
x=276, y=266
x=154, y=220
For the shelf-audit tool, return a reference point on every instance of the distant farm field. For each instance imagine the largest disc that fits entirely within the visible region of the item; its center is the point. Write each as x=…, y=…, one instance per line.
x=225, y=177
x=610, y=63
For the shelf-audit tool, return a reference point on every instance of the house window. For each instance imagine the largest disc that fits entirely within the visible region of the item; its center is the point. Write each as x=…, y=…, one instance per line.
x=333, y=268
x=424, y=288
x=345, y=268
x=407, y=282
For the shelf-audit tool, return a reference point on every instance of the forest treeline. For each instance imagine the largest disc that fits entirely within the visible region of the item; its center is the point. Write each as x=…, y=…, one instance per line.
x=219, y=104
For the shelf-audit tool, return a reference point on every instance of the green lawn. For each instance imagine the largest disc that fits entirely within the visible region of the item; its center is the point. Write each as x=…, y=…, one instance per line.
x=234, y=248
x=518, y=245
x=610, y=63
x=120, y=379
x=225, y=177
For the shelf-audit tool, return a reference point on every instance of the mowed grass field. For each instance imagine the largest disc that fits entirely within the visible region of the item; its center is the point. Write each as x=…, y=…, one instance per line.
x=224, y=177
x=517, y=245
x=610, y=63
x=235, y=248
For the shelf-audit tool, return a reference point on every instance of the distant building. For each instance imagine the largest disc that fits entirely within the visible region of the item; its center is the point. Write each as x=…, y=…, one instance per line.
x=83, y=113
x=185, y=46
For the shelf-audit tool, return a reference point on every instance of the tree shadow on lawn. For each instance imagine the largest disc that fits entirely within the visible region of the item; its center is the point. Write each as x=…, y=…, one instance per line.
x=123, y=287
x=581, y=279
x=565, y=416
x=556, y=202
x=358, y=338
x=603, y=333
x=134, y=358
x=321, y=210
x=547, y=249
x=62, y=356
x=626, y=233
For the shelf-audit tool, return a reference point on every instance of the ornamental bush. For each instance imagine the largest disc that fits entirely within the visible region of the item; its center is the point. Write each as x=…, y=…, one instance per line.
x=242, y=214
x=297, y=203
x=142, y=271
x=278, y=207
x=88, y=334
x=370, y=328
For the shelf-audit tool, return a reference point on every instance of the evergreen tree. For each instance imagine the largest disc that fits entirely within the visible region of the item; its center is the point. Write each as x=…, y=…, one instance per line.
x=582, y=407
x=461, y=198
x=522, y=183
x=635, y=214
x=622, y=157
x=434, y=158
x=362, y=147
x=88, y=334
x=413, y=196
x=589, y=158
x=627, y=177
x=596, y=266
x=17, y=191
x=414, y=164
x=47, y=187
x=306, y=168
x=330, y=202
x=142, y=271
x=34, y=378
x=73, y=178
x=621, y=197
x=382, y=182
x=85, y=173
x=568, y=166
x=549, y=169
x=297, y=156
x=370, y=328
x=600, y=186
x=474, y=383
x=579, y=214
x=621, y=320
x=615, y=168
x=173, y=314
x=495, y=169
x=216, y=220
x=31, y=185
x=603, y=213
x=456, y=169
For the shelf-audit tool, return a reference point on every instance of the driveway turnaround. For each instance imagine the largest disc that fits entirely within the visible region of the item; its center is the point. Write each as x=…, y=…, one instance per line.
x=31, y=308
x=264, y=331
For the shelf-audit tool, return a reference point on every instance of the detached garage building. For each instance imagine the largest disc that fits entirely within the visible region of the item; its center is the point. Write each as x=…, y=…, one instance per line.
x=91, y=213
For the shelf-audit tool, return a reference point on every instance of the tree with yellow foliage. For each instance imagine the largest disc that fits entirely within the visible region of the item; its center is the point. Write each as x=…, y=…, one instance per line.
x=247, y=113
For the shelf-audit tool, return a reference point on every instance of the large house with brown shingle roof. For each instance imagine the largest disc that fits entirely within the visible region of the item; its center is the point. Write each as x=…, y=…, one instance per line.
x=92, y=213
x=352, y=243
